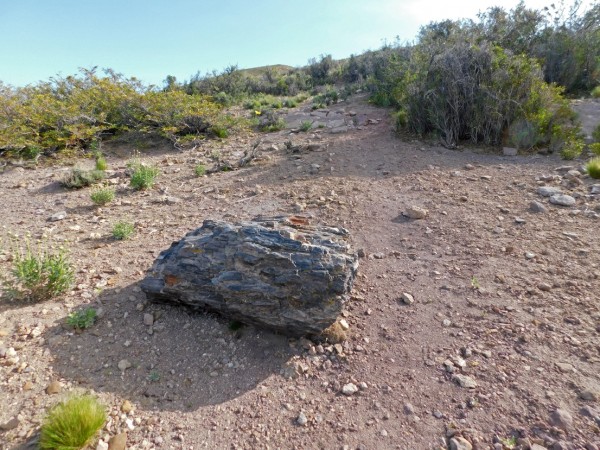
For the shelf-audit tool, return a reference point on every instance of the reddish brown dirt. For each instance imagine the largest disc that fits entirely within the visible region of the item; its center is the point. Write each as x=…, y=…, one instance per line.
x=516, y=303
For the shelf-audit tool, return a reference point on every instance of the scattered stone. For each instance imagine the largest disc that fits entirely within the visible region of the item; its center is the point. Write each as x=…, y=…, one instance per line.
x=561, y=419
x=464, y=381
x=562, y=200
x=537, y=447
x=58, y=216
x=383, y=433
x=415, y=212
x=409, y=409
x=564, y=367
x=509, y=151
x=407, y=298
x=148, y=319
x=251, y=272
x=118, y=442
x=544, y=287
x=123, y=365
x=126, y=407
x=102, y=445
x=446, y=322
x=54, y=388
x=344, y=324
x=548, y=191
x=588, y=395
x=301, y=420
x=529, y=255
x=460, y=443
x=595, y=189
x=10, y=425
x=349, y=389
x=28, y=386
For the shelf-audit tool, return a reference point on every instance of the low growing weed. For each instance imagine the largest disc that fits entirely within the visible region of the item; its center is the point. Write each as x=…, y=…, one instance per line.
x=122, y=230
x=40, y=274
x=593, y=167
x=72, y=424
x=82, y=320
x=78, y=178
x=103, y=195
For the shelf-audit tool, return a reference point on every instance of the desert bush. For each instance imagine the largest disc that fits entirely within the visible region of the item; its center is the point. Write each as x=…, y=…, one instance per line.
x=122, y=230
x=593, y=167
x=595, y=148
x=102, y=195
x=200, y=170
x=72, y=112
x=79, y=178
x=270, y=122
x=595, y=92
x=39, y=273
x=306, y=125
x=100, y=161
x=72, y=424
x=143, y=175
x=81, y=320
x=572, y=148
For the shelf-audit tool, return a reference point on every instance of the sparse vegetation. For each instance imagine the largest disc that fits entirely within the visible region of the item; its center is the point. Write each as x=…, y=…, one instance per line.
x=572, y=149
x=143, y=175
x=41, y=273
x=101, y=162
x=83, y=319
x=79, y=178
x=306, y=125
x=200, y=170
x=122, y=230
x=593, y=167
x=102, y=195
x=72, y=424
x=595, y=92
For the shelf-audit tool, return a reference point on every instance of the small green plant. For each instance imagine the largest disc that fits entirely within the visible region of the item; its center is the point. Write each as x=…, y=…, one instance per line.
x=83, y=319
x=596, y=133
x=103, y=195
x=220, y=132
x=510, y=442
x=78, y=178
x=143, y=176
x=72, y=424
x=595, y=148
x=122, y=230
x=475, y=282
x=101, y=162
x=154, y=376
x=306, y=125
x=290, y=103
x=40, y=274
x=32, y=152
x=593, y=167
x=200, y=170
x=572, y=149
x=596, y=92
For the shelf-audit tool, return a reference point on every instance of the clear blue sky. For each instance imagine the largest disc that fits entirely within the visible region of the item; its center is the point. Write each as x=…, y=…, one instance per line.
x=151, y=39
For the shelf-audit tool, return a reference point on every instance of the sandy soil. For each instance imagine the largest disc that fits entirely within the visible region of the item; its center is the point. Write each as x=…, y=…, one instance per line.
x=506, y=301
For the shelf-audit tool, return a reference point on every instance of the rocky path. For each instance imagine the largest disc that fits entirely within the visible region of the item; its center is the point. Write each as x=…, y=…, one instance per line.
x=476, y=325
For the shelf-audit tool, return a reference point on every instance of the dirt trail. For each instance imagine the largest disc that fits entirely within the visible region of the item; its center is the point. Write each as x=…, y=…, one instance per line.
x=506, y=301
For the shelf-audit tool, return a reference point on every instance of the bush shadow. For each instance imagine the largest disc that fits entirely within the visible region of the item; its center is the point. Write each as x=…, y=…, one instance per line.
x=183, y=361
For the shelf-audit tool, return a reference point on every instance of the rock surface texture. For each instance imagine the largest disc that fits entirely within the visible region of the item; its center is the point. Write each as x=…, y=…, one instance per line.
x=277, y=273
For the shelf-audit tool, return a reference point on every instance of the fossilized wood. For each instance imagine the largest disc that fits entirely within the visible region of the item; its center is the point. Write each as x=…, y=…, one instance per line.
x=279, y=273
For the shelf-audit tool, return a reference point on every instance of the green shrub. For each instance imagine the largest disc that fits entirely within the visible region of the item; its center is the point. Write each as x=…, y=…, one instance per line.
x=83, y=319
x=41, y=274
x=596, y=92
x=72, y=424
x=200, y=170
x=400, y=119
x=78, y=178
x=101, y=162
x=572, y=149
x=102, y=195
x=306, y=125
x=595, y=148
x=32, y=152
x=269, y=122
x=593, y=167
x=220, y=132
x=596, y=133
x=143, y=176
x=122, y=230
x=290, y=103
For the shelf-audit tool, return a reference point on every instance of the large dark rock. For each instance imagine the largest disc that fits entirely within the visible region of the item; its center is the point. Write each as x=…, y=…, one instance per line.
x=276, y=273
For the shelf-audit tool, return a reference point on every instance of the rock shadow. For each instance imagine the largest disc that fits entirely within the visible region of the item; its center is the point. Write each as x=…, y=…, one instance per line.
x=184, y=360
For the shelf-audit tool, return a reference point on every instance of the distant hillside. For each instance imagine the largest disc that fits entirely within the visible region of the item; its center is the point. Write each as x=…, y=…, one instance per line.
x=279, y=69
